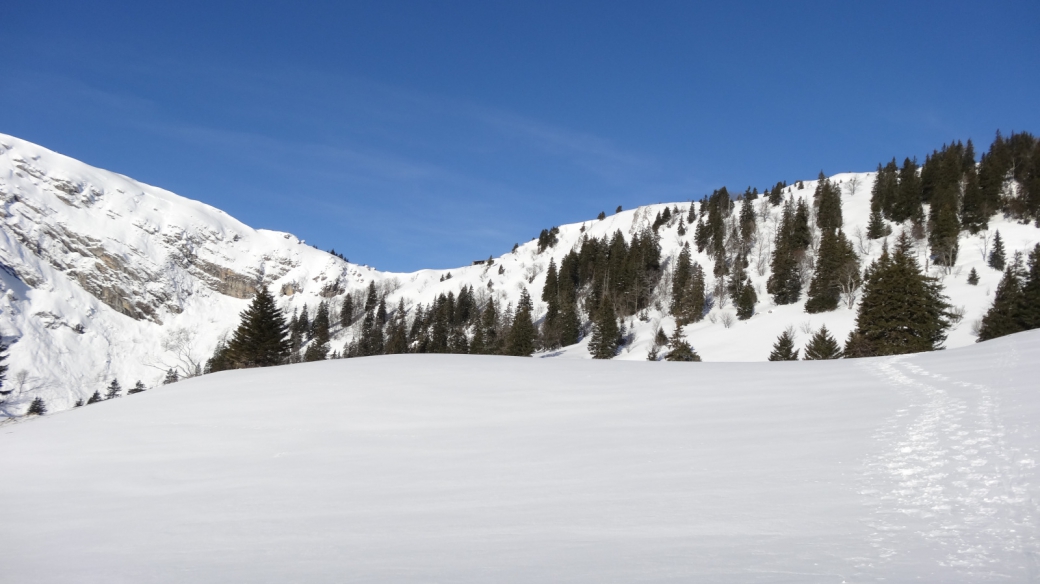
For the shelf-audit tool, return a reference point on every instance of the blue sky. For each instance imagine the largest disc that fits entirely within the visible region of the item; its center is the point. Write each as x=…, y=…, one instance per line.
x=428, y=134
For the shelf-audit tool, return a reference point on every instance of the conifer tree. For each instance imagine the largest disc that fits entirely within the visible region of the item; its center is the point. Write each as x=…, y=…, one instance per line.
x=397, y=343
x=37, y=407
x=171, y=377
x=876, y=228
x=321, y=324
x=346, y=313
x=785, y=282
x=973, y=277
x=1003, y=316
x=114, y=389
x=95, y=398
x=681, y=281
x=783, y=349
x=745, y=300
x=902, y=310
x=747, y=221
x=680, y=350
x=827, y=200
x=1029, y=308
x=137, y=388
x=522, y=333
x=835, y=258
x=885, y=191
x=604, y=341
x=262, y=337
x=303, y=325
x=551, y=296
x=822, y=346
x=907, y=205
x=997, y=256
x=974, y=215
x=316, y=351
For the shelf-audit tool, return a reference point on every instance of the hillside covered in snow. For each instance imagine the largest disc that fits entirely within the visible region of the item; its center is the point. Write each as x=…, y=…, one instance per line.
x=463, y=468
x=107, y=278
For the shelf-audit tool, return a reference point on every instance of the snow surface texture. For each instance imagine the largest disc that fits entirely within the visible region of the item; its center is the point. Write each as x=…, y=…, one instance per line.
x=103, y=277
x=457, y=468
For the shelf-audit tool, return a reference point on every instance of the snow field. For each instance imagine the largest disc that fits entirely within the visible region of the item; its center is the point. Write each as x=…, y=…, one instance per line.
x=463, y=468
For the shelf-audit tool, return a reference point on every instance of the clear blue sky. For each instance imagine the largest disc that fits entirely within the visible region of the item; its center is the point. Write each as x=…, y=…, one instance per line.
x=428, y=134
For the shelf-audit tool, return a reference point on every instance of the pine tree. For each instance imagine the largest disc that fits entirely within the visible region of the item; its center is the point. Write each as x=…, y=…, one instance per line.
x=113, y=389
x=997, y=257
x=785, y=282
x=745, y=300
x=1028, y=313
x=137, y=388
x=316, y=351
x=522, y=333
x=171, y=377
x=346, y=313
x=1002, y=317
x=551, y=296
x=827, y=200
x=320, y=326
x=605, y=333
x=303, y=326
x=876, y=228
x=37, y=407
x=680, y=350
x=822, y=346
x=973, y=277
x=95, y=398
x=835, y=259
x=783, y=349
x=262, y=337
x=907, y=205
x=902, y=309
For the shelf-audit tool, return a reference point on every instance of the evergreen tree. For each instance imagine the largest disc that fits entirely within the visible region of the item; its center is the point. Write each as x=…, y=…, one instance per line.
x=113, y=389
x=221, y=359
x=783, y=349
x=522, y=333
x=346, y=313
x=681, y=282
x=973, y=277
x=876, y=228
x=680, y=350
x=95, y=398
x=822, y=346
x=886, y=186
x=1003, y=317
x=902, y=309
x=137, y=388
x=320, y=326
x=397, y=343
x=747, y=221
x=316, y=351
x=303, y=326
x=974, y=211
x=745, y=300
x=835, y=259
x=485, y=335
x=605, y=333
x=551, y=296
x=171, y=377
x=785, y=282
x=1028, y=313
x=37, y=407
x=261, y=339
x=801, y=233
x=997, y=257
x=827, y=200
x=907, y=205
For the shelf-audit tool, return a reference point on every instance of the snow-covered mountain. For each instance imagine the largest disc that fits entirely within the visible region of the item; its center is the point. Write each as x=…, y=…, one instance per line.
x=105, y=277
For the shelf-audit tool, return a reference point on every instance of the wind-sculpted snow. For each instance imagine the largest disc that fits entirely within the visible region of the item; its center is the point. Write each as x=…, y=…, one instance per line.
x=103, y=277
x=434, y=468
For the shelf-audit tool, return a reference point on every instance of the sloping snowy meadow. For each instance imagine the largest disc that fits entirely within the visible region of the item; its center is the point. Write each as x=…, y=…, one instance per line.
x=455, y=468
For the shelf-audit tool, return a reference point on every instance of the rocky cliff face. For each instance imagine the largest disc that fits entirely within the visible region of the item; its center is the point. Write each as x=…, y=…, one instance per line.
x=119, y=264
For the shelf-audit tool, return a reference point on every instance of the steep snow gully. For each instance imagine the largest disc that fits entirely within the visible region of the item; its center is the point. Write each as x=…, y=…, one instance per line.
x=420, y=468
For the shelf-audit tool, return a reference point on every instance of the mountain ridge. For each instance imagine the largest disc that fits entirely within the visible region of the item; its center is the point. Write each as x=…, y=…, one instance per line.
x=105, y=277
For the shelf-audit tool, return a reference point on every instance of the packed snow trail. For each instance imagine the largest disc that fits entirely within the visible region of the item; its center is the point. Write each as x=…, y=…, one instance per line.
x=420, y=468
x=945, y=482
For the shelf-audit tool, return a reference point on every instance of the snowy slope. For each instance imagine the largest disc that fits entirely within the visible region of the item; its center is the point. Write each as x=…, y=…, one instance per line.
x=456, y=468
x=104, y=277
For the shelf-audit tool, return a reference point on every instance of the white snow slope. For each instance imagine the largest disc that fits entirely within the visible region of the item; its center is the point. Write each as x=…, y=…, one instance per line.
x=104, y=277
x=457, y=468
